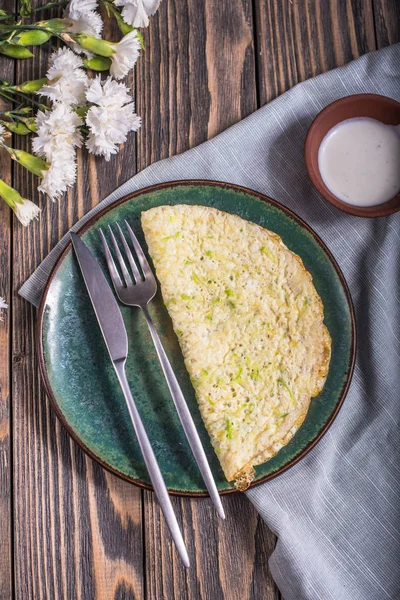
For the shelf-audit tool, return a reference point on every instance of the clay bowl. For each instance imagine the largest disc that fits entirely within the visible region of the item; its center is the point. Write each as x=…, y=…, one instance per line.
x=377, y=107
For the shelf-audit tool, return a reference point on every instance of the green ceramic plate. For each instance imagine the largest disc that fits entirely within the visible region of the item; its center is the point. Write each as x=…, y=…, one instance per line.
x=81, y=382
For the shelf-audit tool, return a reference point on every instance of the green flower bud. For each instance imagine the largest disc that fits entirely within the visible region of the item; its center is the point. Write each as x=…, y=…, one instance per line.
x=140, y=38
x=35, y=37
x=95, y=45
x=123, y=26
x=9, y=194
x=25, y=210
x=82, y=111
x=25, y=8
x=15, y=51
x=31, y=124
x=97, y=63
x=25, y=110
x=18, y=128
x=30, y=87
x=55, y=25
x=34, y=164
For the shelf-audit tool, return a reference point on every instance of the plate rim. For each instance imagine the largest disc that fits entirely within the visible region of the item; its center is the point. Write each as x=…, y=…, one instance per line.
x=158, y=187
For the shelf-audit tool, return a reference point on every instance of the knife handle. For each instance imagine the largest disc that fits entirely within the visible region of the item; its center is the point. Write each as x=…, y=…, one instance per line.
x=151, y=464
x=185, y=417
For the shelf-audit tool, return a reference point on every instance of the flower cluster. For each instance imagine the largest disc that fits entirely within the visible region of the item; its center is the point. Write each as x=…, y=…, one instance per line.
x=111, y=116
x=108, y=117
x=66, y=79
x=58, y=136
x=74, y=109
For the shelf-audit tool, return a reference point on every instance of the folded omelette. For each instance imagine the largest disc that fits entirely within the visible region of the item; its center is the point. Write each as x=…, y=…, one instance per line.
x=250, y=325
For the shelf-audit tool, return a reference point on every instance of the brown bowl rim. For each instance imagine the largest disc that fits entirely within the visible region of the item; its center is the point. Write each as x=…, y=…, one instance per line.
x=382, y=210
x=157, y=187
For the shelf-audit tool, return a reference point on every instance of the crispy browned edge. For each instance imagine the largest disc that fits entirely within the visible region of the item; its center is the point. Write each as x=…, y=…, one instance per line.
x=200, y=182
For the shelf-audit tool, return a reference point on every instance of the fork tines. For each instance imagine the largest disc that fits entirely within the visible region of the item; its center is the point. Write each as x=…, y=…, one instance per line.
x=137, y=275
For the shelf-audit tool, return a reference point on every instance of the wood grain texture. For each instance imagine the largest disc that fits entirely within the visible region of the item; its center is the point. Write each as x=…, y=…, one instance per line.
x=196, y=76
x=299, y=39
x=78, y=530
x=195, y=79
x=6, y=516
x=387, y=22
x=228, y=558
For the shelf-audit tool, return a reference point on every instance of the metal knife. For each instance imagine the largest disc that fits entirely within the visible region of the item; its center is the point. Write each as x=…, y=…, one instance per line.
x=114, y=333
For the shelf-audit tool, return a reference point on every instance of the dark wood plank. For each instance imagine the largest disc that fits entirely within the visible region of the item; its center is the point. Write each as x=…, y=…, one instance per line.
x=78, y=530
x=297, y=40
x=196, y=78
x=6, y=549
x=387, y=22
x=228, y=558
x=5, y=450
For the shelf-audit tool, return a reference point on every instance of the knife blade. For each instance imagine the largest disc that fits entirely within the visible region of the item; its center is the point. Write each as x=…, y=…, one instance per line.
x=103, y=300
x=114, y=333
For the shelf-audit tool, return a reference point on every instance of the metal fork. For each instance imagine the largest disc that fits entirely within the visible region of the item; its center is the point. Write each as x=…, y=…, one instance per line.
x=138, y=291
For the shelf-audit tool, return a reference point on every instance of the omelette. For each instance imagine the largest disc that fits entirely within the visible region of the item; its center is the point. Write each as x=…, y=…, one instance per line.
x=250, y=325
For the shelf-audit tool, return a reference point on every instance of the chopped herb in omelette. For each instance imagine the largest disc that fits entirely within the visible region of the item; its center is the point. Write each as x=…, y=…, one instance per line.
x=250, y=325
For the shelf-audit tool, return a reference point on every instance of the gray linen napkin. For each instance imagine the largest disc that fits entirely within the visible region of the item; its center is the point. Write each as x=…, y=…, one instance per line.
x=336, y=513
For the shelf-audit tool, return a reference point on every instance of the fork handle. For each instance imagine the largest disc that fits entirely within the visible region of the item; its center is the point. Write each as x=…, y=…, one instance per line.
x=185, y=417
x=152, y=465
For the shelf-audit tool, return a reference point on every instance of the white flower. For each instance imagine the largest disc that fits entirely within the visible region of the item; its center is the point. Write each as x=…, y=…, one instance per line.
x=4, y=134
x=67, y=80
x=3, y=305
x=108, y=93
x=111, y=120
x=26, y=211
x=84, y=18
x=125, y=54
x=57, y=132
x=59, y=177
x=58, y=137
x=136, y=12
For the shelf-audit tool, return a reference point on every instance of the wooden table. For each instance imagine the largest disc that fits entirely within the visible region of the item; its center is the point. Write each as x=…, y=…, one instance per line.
x=68, y=529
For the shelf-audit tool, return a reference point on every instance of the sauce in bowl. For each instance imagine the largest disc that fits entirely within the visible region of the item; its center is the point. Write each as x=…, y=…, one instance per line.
x=359, y=161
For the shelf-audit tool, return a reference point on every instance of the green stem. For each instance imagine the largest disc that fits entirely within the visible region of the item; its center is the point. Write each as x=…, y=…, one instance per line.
x=49, y=5
x=6, y=96
x=25, y=97
x=25, y=27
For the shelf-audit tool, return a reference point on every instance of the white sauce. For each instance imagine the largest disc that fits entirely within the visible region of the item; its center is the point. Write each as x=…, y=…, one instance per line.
x=359, y=161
